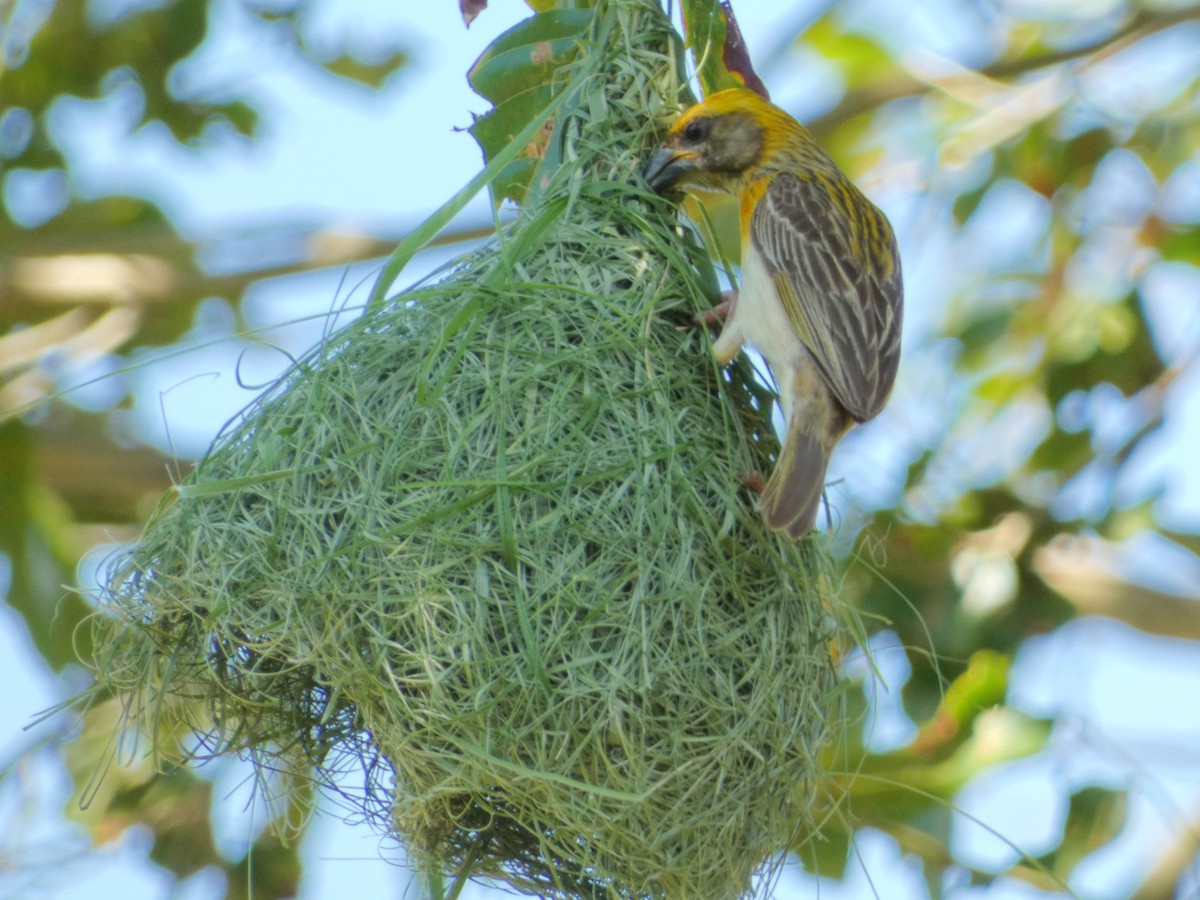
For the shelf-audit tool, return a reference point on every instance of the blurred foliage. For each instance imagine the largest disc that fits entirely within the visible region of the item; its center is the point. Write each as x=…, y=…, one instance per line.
x=1050, y=169
x=118, y=791
x=151, y=66
x=83, y=279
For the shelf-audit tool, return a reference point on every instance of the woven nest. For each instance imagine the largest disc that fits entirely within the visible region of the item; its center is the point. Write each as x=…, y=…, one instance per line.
x=490, y=539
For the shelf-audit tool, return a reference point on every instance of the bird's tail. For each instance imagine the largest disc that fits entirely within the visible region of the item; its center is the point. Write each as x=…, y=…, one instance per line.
x=792, y=497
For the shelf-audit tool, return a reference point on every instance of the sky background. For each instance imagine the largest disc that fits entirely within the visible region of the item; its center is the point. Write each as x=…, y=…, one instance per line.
x=341, y=156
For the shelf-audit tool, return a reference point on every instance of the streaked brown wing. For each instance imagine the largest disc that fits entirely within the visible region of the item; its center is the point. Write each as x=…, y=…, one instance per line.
x=847, y=313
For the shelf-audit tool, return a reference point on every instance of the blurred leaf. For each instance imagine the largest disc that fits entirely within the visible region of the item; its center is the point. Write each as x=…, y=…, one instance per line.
x=1082, y=153
x=373, y=74
x=859, y=59
x=241, y=116
x=175, y=804
x=1187, y=541
x=981, y=687
x=118, y=786
x=37, y=536
x=967, y=202
x=1176, y=243
x=980, y=333
x=1112, y=345
x=1166, y=140
x=70, y=55
x=1063, y=453
x=903, y=786
x=825, y=854
x=909, y=792
x=270, y=871
x=1002, y=388
x=1095, y=815
x=1046, y=164
x=100, y=217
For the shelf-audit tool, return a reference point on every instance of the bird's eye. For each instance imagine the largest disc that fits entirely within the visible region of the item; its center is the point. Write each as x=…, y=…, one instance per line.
x=695, y=131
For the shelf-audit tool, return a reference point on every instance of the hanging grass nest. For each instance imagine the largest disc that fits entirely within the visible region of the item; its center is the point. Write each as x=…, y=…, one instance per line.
x=490, y=539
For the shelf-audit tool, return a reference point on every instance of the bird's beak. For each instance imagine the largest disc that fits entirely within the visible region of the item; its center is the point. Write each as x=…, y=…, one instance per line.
x=667, y=168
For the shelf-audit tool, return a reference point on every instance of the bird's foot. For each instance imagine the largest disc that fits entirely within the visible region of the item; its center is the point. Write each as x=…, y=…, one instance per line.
x=718, y=313
x=753, y=480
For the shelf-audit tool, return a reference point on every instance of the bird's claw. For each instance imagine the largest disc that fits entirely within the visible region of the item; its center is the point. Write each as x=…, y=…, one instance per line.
x=718, y=313
x=753, y=480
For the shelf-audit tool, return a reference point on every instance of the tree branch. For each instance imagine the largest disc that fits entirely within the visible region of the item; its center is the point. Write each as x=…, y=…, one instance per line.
x=935, y=852
x=154, y=274
x=1142, y=24
x=1165, y=879
x=1074, y=570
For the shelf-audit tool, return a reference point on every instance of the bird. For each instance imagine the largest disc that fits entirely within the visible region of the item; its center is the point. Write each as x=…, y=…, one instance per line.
x=822, y=294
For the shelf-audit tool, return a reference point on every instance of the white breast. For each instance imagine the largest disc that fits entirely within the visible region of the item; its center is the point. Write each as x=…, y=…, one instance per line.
x=761, y=317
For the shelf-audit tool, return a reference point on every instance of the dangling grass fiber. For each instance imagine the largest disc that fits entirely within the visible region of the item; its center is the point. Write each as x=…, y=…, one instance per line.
x=489, y=540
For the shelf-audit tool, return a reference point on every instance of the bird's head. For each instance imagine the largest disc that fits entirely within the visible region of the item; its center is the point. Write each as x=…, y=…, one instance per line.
x=714, y=143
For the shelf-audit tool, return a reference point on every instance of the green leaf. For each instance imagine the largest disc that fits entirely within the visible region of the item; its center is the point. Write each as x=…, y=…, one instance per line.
x=513, y=181
x=497, y=128
x=520, y=73
x=1083, y=153
x=1003, y=387
x=528, y=54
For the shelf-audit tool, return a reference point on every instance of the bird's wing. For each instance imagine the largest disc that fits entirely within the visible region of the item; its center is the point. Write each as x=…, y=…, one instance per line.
x=846, y=311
